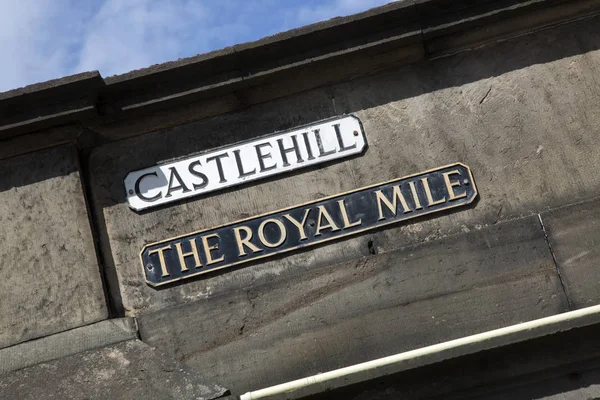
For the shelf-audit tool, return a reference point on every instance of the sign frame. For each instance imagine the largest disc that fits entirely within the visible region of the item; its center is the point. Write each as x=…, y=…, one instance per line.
x=470, y=200
x=315, y=144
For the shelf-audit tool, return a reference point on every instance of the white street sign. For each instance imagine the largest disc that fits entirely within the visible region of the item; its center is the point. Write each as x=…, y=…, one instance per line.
x=245, y=162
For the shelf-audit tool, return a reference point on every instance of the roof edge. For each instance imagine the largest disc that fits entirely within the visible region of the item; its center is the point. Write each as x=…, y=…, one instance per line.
x=427, y=28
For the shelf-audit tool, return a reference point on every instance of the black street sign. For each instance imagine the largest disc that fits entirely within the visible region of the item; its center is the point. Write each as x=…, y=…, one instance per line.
x=308, y=224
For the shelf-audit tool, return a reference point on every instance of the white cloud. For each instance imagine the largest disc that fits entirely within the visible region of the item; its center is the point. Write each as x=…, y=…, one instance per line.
x=130, y=34
x=46, y=39
x=337, y=8
x=33, y=45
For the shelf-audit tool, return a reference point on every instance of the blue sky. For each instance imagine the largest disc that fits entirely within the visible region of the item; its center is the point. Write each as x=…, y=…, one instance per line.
x=47, y=39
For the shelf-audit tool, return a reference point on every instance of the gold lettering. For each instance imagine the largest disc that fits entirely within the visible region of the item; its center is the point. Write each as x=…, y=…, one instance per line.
x=208, y=249
x=347, y=223
x=299, y=225
x=330, y=224
x=391, y=205
x=450, y=185
x=161, y=257
x=282, y=232
x=183, y=255
x=430, y=201
x=413, y=190
x=245, y=241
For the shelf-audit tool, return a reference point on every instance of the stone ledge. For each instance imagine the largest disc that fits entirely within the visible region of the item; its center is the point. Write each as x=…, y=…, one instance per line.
x=67, y=343
x=50, y=103
x=436, y=26
x=127, y=370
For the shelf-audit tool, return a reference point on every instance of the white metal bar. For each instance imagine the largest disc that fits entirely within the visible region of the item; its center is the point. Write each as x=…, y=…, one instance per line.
x=481, y=341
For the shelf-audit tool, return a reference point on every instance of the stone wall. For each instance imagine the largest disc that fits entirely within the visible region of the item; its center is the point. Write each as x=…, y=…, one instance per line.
x=51, y=274
x=523, y=114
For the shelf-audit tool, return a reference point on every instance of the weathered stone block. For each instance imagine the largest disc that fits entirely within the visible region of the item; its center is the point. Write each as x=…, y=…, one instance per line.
x=527, y=123
x=50, y=276
x=524, y=115
x=574, y=234
x=64, y=344
x=125, y=231
x=129, y=370
x=372, y=307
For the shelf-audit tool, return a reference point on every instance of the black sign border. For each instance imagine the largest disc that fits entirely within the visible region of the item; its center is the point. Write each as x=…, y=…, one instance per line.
x=476, y=193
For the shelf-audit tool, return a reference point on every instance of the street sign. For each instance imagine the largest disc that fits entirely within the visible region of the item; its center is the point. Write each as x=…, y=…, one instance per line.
x=308, y=224
x=245, y=162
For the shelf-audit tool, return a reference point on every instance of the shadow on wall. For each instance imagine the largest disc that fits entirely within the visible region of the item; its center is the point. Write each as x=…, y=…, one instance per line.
x=543, y=368
x=109, y=164
x=27, y=169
